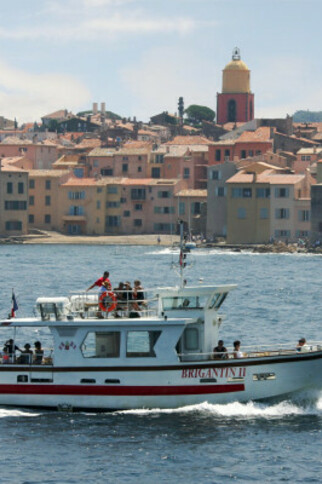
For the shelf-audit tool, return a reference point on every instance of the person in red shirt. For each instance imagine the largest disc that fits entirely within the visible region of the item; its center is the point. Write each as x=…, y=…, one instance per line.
x=100, y=281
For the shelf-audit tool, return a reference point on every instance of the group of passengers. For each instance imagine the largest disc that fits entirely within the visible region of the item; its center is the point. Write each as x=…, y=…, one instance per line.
x=127, y=297
x=27, y=355
x=220, y=351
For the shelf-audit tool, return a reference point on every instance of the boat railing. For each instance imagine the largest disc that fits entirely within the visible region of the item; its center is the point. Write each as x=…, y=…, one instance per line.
x=28, y=359
x=256, y=351
x=120, y=305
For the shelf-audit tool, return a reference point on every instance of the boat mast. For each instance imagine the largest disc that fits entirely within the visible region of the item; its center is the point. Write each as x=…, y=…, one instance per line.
x=182, y=255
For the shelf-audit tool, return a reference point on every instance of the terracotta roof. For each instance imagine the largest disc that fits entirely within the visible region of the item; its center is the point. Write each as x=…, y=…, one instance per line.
x=192, y=193
x=189, y=140
x=266, y=177
x=102, y=152
x=149, y=181
x=56, y=115
x=261, y=134
x=47, y=173
x=14, y=140
x=138, y=144
x=309, y=151
x=12, y=168
x=89, y=143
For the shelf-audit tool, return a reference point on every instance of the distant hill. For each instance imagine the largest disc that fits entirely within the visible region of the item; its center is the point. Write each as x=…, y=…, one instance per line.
x=307, y=117
x=108, y=114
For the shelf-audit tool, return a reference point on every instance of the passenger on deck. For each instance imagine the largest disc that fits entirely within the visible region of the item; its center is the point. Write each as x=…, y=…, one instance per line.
x=99, y=282
x=26, y=355
x=138, y=296
x=11, y=347
x=302, y=346
x=220, y=352
x=237, y=352
x=120, y=297
x=39, y=353
x=128, y=294
x=5, y=355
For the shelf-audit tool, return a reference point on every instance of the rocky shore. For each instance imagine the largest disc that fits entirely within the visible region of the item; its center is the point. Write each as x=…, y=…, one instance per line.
x=152, y=240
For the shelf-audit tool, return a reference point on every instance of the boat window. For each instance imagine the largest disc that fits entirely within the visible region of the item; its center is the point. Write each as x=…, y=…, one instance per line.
x=191, y=339
x=189, y=302
x=141, y=343
x=217, y=300
x=101, y=344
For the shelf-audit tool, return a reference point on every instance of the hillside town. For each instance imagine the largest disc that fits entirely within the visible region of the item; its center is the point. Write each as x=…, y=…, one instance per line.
x=237, y=179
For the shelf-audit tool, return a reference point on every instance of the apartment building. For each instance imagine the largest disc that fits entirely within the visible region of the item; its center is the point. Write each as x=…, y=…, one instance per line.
x=13, y=201
x=217, y=198
x=316, y=205
x=83, y=206
x=44, y=198
x=125, y=162
x=42, y=155
x=267, y=205
x=149, y=206
x=192, y=210
x=248, y=144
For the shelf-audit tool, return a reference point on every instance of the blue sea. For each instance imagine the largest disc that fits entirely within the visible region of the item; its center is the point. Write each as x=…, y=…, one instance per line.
x=278, y=299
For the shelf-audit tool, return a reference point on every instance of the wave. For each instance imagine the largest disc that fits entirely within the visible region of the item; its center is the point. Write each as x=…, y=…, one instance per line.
x=4, y=413
x=302, y=405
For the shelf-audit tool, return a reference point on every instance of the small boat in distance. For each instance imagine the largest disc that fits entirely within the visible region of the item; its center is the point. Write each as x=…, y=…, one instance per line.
x=104, y=353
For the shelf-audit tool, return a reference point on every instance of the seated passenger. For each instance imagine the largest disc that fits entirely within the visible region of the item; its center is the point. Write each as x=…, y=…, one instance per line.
x=11, y=347
x=5, y=355
x=302, y=346
x=220, y=352
x=39, y=353
x=237, y=352
x=138, y=296
x=128, y=294
x=26, y=355
x=120, y=297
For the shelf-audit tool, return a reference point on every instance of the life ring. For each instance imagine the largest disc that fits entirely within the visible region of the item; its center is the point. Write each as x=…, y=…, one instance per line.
x=107, y=301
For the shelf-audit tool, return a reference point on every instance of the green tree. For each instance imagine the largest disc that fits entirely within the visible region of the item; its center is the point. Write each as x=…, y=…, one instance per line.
x=197, y=114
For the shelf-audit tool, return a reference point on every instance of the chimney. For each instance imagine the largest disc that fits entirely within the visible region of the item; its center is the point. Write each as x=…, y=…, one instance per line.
x=95, y=108
x=103, y=108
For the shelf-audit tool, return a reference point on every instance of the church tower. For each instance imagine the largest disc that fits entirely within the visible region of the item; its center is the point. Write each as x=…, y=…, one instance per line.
x=236, y=101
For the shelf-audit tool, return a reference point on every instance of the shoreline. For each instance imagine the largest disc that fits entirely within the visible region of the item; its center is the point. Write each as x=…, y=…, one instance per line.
x=55, y=238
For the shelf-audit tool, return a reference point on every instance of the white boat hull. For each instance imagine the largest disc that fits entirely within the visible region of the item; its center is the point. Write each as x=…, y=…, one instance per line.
x=109, y=388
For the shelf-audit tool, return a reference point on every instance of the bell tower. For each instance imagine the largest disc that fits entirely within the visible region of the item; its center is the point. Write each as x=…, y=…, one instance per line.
x=236, y=101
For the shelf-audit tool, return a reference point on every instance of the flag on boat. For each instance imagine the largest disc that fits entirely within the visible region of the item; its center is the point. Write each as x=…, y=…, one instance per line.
x=14, y=305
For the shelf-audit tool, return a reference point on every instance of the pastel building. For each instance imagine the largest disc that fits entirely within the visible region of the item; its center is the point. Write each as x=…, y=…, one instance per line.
x=248, y=144
x=13, y=201
x=265, y=204
x=236, y=101
x=316, y=205
x=82, y=205
x=217, y=198
x=44, y=198
x=42, y=155
x=124, y=162
x=192, y=210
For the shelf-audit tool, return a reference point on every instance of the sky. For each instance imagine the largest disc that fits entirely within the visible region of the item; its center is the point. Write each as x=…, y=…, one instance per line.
x=140, y=56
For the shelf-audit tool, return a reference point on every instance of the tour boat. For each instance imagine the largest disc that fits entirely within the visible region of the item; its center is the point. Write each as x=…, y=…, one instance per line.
x=104, y=354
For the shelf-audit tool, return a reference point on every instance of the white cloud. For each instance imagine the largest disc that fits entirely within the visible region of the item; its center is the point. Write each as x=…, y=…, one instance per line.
x=98, y=28
x=29, y=96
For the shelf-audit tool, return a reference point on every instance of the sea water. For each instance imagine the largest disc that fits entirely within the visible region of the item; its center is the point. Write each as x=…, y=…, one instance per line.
x=278, y=299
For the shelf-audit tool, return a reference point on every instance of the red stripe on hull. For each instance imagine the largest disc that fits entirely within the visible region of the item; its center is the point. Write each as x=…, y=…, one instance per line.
x=117, y=390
